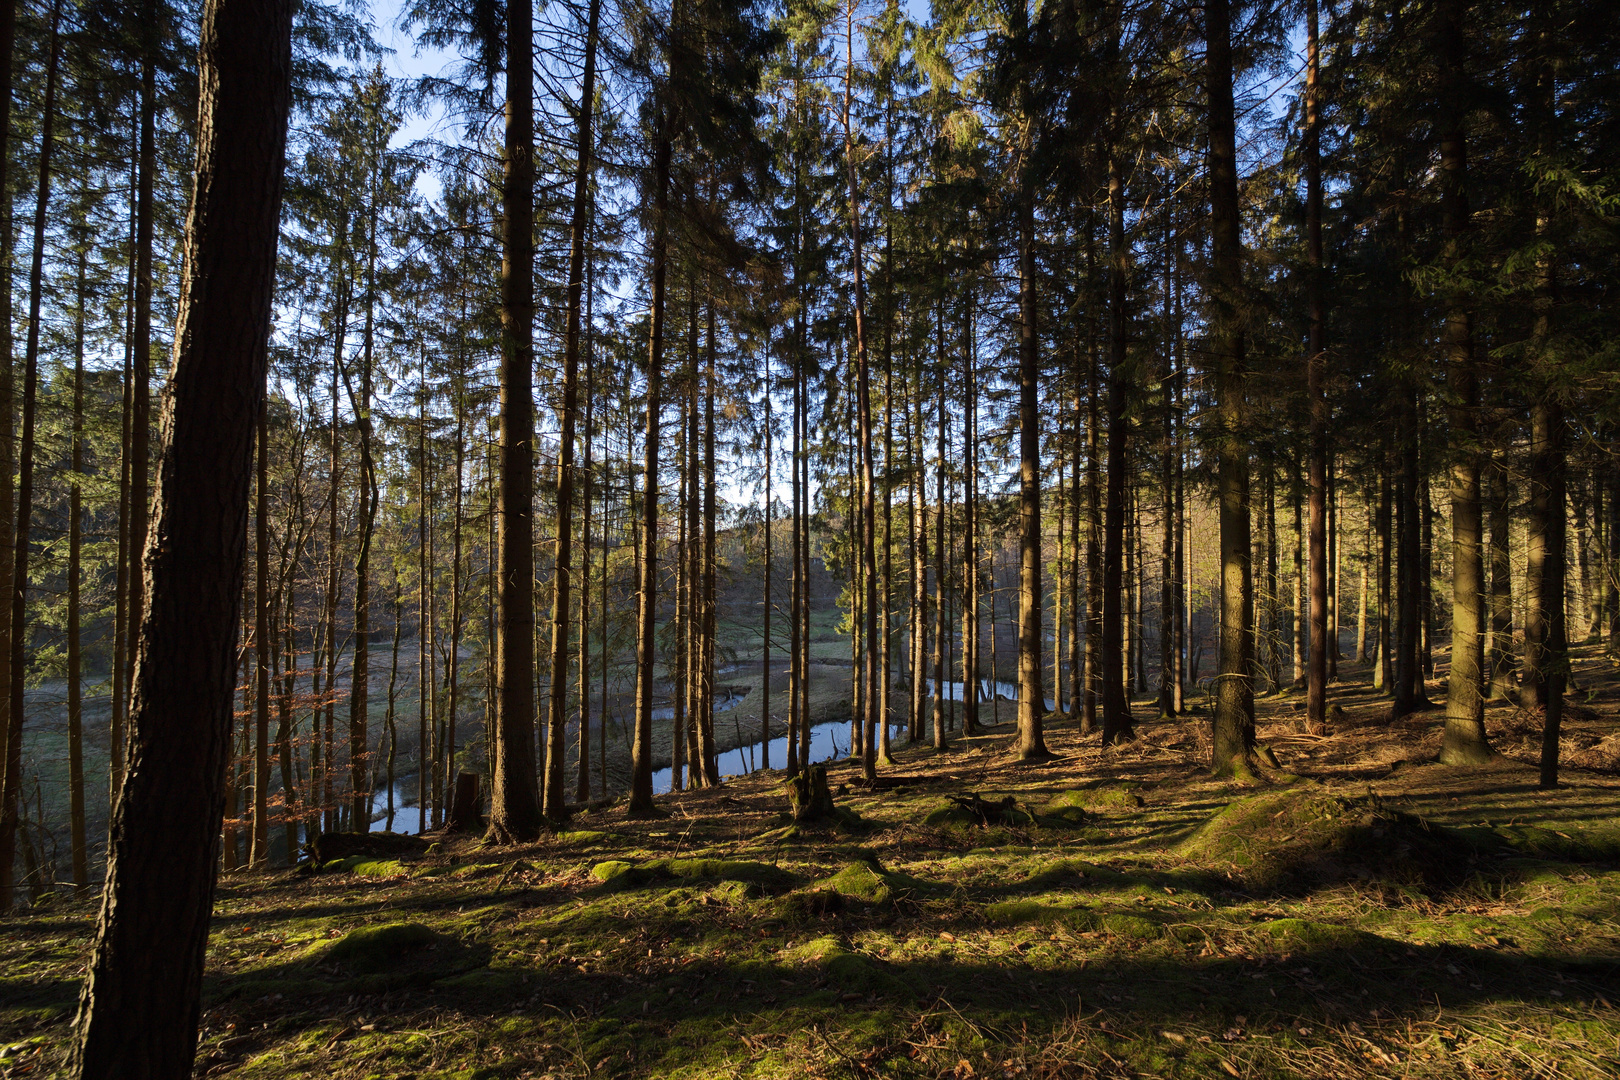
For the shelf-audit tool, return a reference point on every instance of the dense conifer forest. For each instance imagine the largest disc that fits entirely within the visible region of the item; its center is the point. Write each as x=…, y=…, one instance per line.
x=985, y=539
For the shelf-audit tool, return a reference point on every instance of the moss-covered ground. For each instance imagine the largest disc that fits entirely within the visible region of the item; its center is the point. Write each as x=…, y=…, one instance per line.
x=1136, y=918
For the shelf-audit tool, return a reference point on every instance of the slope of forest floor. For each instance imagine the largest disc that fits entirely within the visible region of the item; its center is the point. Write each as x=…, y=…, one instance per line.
x=1364, y=912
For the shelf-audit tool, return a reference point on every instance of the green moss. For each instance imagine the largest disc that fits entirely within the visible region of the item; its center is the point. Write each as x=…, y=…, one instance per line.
x=1066, y=809
x=1065, y=872
x=860, y=881
x=1035, y=912
x=1305, y=934
x=612, y=870
x=1305, y=834
x=489, y=985
x=949, y=814
x=1132, y=927
x=381, y=868
x=379, y=948
x=1569, y=845
x=618, y=874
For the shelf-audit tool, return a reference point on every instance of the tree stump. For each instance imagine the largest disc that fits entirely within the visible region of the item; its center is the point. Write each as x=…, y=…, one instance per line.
x=809, y=795
x=467, y=808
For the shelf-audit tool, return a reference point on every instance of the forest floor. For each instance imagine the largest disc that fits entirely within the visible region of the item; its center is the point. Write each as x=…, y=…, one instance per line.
x=1362, y=912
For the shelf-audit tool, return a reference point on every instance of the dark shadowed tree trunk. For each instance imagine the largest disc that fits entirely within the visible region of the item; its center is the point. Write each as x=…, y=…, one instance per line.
x=260, y=853
x=1116, y=704
x=75, y=687
x=1502, y=656
x=641, y=794
x=1234, y=691
x=140, y=1004
x=514, y=814
x=562, y=573
x=8, y=33
x=11, y=784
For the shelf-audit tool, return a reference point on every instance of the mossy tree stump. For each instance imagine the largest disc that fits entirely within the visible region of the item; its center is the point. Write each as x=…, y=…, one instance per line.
x=809, y=795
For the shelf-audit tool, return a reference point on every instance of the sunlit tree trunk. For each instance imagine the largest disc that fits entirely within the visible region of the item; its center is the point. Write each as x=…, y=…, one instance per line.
x=1464, y=741
x=1316, y=668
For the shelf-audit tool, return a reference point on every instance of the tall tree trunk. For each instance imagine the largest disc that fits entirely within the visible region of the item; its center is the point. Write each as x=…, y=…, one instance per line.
x=1167, y=486
x=334, y=582
x=1464, y=741
x=562, y=573
x=582, y=788
x=641, y=794
x=1094, y=508
x=360, y=666
x=705, y=608
x=140, y=431
x=1031, y=743
x=1409, y=689
x=919, y=561
x=1545, y=654
x=118, y=710
x=390, y=718
x=863, y=409
x=970, y=522
x=1363, y=609
x=1234, y=694
x=941, y=625
x=452, y=659
x=1316, y=667
x=11, y=785
x=140, y=1005
x=1299, y=634
x=8, y=34
x=1273, y=633
x=75, y=687
x=1117, y=725
x=795, y=574
x=514, y=814
x=425, y=785
x=1611, y=556
x=804, y=593
x=886, y=686
x=1181, y=500
x=259, y=854
x=1503, y=656
x=1383, y=677
x=770, y=568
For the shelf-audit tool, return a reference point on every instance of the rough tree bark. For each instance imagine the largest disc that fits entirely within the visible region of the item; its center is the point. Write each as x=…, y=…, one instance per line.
x=1031, y=743
x=140, y=1004
x=11, y=780
x=1464, y=741
x=641, y=793
x=1117, y=726
x=1234, y=742
x=514, y=814
x=1316, y=663
x=562, y=573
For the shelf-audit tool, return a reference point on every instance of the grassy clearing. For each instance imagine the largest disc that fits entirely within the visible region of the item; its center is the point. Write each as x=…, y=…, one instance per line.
x=1144, y=921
